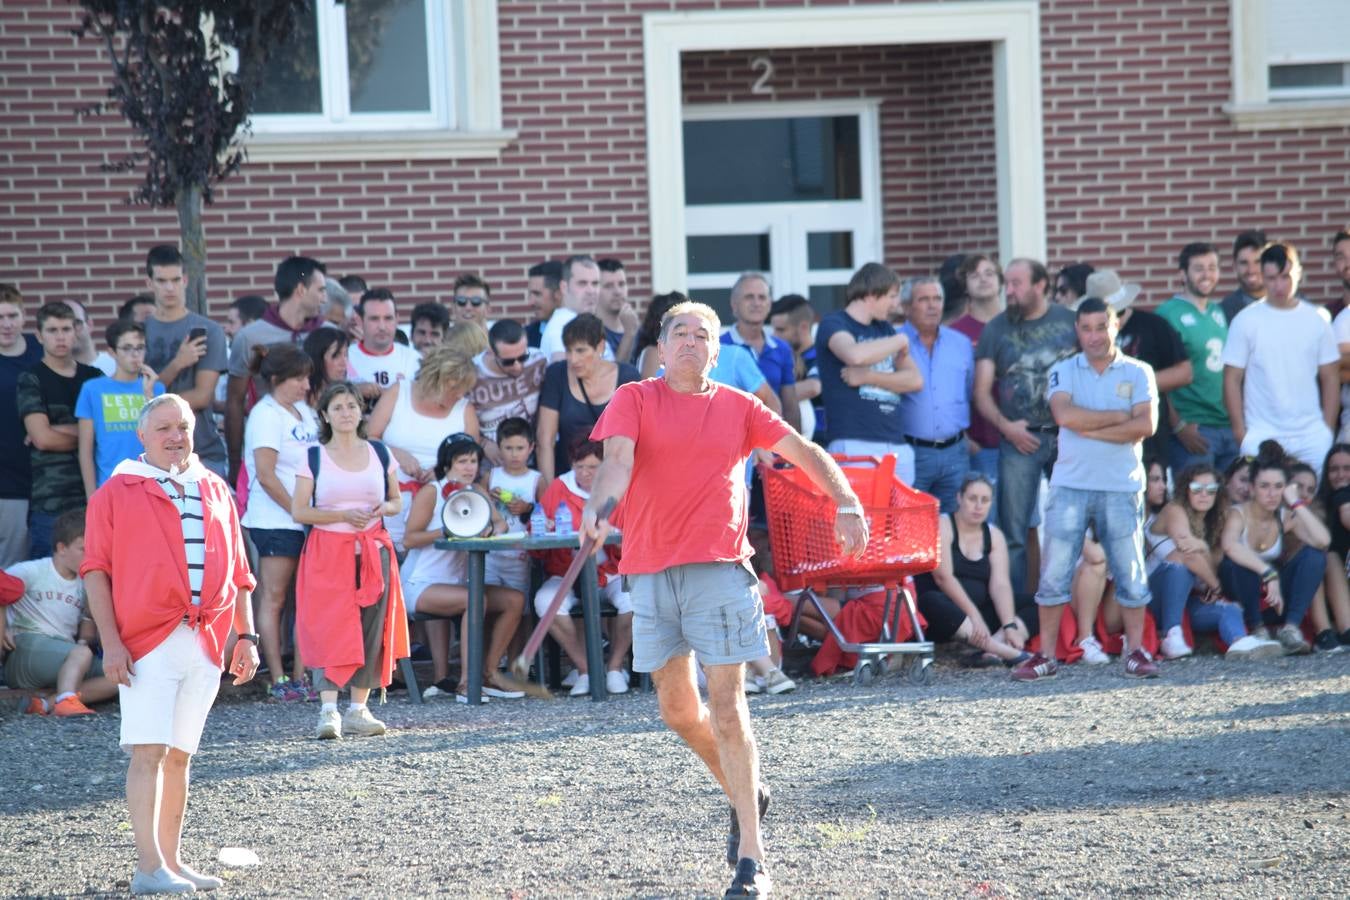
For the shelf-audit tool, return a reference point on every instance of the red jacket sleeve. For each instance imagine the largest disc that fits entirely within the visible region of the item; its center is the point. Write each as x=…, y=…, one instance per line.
x=11, y=589
x=98, y=533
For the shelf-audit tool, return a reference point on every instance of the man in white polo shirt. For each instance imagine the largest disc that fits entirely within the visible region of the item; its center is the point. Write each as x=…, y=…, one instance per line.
x=580, y=294
x=377, y=361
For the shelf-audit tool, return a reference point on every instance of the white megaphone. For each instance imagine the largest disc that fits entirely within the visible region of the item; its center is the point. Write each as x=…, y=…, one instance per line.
x=466, y=514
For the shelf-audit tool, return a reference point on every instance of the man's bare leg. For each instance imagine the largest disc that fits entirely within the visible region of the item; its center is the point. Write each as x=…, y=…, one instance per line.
x=684, y=713
x=143, y=803
x=737, y=751
x=173, y=805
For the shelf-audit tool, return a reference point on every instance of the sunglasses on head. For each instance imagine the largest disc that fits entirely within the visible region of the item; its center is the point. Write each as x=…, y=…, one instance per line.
x=1199, y=486
x=513, y=360
x=465, y=301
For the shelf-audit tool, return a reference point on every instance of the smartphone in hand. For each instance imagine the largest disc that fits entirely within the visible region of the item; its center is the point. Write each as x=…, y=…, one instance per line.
x=196, y=334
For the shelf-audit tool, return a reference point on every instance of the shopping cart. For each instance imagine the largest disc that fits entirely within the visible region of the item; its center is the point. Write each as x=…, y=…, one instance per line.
x=903, y=525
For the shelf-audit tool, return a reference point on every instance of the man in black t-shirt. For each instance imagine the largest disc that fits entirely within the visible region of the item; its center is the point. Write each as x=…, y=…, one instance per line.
x=45, y=397
x=18, y=353
x=1148, y=338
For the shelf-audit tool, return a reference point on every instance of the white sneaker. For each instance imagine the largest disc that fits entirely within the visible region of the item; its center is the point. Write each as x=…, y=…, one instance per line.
x=753, y=683
x=616, y=682
x=330, y=725
x=359, y=721
x=1174, y=644
x=199, y=881
x=571, y=678
x=582, y=686
x=160, y=881
x=1093, y=654
x=1252, y=647
x=777, y=683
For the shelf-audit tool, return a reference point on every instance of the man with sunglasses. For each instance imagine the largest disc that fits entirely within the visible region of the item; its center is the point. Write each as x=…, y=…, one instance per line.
x=510, y=376
x=471, y=297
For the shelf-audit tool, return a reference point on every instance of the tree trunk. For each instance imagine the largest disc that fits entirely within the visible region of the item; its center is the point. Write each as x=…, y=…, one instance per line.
x=193, y=245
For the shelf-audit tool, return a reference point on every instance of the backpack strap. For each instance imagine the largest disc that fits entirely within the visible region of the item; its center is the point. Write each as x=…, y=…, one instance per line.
x=382, y=453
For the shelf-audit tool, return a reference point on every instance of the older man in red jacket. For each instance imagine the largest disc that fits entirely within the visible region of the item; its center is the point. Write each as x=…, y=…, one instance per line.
x=167, y=577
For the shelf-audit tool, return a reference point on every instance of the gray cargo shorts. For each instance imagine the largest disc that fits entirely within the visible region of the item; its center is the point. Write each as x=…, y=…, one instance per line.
x=711, y=609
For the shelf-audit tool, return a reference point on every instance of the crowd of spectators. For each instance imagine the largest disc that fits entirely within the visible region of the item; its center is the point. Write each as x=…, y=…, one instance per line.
x=1244, y=527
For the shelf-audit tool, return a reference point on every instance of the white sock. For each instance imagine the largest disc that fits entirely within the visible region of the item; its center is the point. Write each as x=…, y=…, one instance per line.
x=328, y=707
x=60, y=697
x=353, y=707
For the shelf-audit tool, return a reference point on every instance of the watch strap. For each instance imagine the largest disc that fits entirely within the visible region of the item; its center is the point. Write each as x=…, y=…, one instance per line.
x=250, y=637
x=854, y=510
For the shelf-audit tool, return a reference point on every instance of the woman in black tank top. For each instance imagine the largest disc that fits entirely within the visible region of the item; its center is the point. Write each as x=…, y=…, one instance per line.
x=969, y=597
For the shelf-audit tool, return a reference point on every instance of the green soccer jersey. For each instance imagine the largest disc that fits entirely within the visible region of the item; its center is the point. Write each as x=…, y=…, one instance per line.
x=1203, y=335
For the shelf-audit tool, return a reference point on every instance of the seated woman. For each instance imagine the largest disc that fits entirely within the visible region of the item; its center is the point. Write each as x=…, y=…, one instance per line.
x=1334, y=620
x=1094, y=593
x=969, y=597
x=1257, y=556
x=1182, y=544
x=434, y=580
x=1237, y=481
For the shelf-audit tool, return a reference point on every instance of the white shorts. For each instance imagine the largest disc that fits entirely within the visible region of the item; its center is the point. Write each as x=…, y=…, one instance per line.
x=612, y=591
x=509, y=569
x=172, y=689
x=412, y=589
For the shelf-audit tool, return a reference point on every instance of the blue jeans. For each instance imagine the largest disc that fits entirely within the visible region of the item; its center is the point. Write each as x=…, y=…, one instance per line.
x=1300, y=577
x=939, y=472
x=985, y=460
x=1171, y=584
x=1118, y=518
x=1019, y=485
x=1223, y=616
x=1223, y=449
x=40, y=534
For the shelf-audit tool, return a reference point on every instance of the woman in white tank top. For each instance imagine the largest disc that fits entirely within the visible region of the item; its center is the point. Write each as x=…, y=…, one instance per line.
x=412, y=422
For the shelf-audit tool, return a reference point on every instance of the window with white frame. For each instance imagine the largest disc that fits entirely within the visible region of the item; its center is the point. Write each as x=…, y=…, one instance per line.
x=1308, y=50
x=361, y=64
x=1291, y=63
x=384, y=79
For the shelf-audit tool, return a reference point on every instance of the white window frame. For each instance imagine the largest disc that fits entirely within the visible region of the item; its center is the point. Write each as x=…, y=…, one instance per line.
x=783, y=222
x=1252, y=107
x=334, y=82
x=465, y=80
x=1012, y=26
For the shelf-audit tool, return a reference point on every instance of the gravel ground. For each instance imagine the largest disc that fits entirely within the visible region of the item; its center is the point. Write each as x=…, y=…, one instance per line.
x=1218, y=780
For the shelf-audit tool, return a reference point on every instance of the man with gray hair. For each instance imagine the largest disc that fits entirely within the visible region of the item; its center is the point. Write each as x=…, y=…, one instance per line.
x=685, y=553
x=751, y=301
x=936, y=416
x=167, y=579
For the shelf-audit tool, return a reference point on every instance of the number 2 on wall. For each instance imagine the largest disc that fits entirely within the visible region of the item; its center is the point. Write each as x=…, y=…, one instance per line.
x=764, y=66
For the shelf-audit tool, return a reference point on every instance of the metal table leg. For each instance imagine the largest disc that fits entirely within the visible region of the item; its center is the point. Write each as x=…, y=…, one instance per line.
x=474, y=629
x=590, y=608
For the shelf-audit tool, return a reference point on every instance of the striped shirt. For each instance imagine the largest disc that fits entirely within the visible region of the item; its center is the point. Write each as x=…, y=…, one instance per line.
x=191, y=518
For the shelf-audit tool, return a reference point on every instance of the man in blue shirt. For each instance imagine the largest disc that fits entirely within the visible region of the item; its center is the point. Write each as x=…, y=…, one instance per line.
x=750, y=304
x=865, y=367
x=108, y=408
x=1106, y=404
x=936, y=416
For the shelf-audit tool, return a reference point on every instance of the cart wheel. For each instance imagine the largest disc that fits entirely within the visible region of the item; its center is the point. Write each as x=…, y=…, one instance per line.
x=921, y=671
x=863, y=674
x=883, y=666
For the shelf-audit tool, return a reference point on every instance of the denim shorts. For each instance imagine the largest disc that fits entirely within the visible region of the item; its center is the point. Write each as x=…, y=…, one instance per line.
x=711, y=609
x=277, y=541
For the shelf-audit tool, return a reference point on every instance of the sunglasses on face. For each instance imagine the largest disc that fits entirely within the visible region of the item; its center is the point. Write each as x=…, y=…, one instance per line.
x=465, y=301
x=1200, y=487
x=512, y=361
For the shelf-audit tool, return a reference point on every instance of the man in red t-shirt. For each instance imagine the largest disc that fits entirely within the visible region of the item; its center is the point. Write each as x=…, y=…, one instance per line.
x=675, y=451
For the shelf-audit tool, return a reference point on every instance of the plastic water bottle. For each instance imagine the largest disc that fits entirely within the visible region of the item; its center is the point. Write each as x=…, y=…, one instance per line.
x=563, y=519
x=538, y=521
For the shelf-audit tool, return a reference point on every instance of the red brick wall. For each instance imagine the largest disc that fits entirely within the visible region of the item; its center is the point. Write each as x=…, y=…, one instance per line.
x=1139, y=159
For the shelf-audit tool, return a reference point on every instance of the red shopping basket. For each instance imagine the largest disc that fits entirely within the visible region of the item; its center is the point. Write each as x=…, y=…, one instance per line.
x=903, y=525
